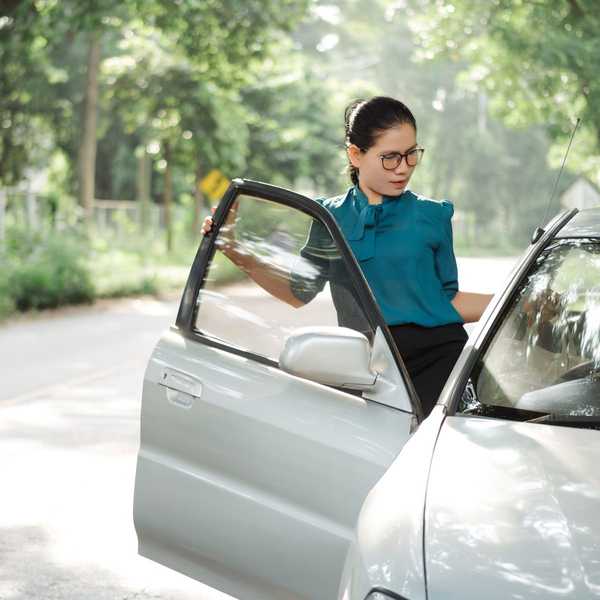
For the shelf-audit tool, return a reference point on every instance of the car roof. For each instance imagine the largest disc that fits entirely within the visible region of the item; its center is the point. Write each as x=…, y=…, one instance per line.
x=585, y=224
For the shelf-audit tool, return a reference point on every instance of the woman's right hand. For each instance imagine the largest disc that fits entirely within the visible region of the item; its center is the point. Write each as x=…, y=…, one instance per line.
x=227, y=232
x=208, y=223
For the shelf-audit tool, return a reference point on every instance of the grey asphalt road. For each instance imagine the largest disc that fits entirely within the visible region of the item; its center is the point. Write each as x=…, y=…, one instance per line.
x=69, y=433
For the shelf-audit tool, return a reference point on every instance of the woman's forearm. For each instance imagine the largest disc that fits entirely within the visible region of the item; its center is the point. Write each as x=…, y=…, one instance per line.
x=271, y=278
x=470, y=305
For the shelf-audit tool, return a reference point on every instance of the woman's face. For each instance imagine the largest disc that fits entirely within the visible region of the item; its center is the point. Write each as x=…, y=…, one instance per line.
x=372, y=176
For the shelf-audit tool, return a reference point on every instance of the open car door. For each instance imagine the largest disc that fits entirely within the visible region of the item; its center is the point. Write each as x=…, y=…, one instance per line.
x=264, y=424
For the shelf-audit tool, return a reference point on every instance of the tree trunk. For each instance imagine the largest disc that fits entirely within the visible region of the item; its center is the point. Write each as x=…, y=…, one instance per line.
x=168, y=194
x=87, y=144
x=143, y=183
x=202, y=205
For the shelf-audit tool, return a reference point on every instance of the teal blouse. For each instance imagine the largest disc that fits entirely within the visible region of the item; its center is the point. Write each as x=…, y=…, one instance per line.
x=404, y=248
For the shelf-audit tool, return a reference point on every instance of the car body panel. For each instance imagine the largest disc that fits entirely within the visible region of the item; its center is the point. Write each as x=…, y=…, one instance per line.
x=513, y=509
x=246, y=482
x=387, y=550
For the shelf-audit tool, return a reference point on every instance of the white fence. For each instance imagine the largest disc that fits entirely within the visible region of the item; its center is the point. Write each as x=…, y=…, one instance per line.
x=113, y=214
x=34, y=212
x=20, y=208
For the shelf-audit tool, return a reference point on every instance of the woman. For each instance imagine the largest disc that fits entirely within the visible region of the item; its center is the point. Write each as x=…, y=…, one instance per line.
x=403, y=243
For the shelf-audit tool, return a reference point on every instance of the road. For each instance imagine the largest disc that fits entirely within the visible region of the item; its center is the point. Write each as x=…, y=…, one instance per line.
x=69, y=433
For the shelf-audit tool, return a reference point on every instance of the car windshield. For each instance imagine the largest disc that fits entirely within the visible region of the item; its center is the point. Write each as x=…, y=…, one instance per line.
x=544, y=359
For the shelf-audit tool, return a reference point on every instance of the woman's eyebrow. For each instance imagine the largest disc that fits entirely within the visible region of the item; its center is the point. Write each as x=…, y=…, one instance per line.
x=398, y=151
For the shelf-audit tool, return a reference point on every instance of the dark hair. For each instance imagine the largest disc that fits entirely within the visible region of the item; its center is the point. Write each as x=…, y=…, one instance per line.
x=366, y=119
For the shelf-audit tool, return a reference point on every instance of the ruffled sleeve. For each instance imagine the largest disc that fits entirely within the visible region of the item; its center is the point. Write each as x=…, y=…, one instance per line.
x=445, y=261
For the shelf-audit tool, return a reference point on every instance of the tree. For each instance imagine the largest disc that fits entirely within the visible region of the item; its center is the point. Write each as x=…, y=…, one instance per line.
x=293, y=140
x=24, y=84
x=537, y=62
x=165, y=103
x=221, y=42
x=275, y=127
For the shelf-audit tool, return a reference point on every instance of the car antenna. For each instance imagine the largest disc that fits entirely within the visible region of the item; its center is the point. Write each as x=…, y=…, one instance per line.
x=537, y=234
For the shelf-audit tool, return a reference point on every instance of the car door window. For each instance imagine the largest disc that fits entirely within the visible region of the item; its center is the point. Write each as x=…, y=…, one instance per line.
x=545, y=355
x=299, y=253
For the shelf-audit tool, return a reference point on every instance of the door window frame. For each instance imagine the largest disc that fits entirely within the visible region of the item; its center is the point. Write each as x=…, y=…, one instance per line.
x=187, y=309
x=500, y=309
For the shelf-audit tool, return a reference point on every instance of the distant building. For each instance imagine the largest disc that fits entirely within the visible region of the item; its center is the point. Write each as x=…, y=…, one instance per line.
x=582, y=193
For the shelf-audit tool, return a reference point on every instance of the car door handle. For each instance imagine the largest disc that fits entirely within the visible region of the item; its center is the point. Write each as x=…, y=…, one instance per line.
x=182, y=388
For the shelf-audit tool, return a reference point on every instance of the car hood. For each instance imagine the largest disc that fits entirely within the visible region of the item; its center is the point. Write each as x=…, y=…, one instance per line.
x=513, y=511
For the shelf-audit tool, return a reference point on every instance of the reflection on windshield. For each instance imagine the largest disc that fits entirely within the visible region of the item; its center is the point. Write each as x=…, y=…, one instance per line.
x=545, y=357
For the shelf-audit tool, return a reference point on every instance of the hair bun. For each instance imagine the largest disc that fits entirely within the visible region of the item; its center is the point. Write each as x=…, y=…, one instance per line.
x=350, y=113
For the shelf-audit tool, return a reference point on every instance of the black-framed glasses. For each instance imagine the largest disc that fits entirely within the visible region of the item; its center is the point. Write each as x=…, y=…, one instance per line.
x=393, y=160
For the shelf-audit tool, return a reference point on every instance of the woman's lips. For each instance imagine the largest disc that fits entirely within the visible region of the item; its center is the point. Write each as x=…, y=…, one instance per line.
x=398, y=183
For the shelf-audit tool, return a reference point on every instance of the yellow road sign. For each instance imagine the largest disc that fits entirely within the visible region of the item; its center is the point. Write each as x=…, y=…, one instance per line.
x=214, y=184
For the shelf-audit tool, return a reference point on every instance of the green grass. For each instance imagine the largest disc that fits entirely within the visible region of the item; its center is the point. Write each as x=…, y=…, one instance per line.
x=51, y=269
x=51, y=274
x=7, y=304
x=136, y=264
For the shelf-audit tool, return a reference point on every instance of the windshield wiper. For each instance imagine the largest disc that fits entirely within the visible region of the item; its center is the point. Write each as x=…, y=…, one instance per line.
x=582, y=421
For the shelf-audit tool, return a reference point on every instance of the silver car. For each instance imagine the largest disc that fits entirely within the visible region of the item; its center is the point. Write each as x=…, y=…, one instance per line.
x=283, y=450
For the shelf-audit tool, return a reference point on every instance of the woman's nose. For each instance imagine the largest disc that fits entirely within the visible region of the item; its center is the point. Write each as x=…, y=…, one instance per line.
x=402, y=167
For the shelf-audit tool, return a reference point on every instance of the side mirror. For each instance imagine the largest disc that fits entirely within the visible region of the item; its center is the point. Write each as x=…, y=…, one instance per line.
x=335, y=356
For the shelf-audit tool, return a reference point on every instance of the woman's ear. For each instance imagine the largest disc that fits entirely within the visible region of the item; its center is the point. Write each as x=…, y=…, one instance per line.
x=354, y=155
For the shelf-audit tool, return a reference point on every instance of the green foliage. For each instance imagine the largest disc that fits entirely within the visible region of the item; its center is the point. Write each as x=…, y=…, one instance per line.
x=127, y=264
x=120, y=273
x=51, y=269
x=51, y=274
x=7, y=304
x=173, y=70
x=537, y=61
x=291, y=136
x=23, y=65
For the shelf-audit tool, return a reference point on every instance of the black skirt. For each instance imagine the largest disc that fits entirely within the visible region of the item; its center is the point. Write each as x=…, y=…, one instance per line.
x=429, y=354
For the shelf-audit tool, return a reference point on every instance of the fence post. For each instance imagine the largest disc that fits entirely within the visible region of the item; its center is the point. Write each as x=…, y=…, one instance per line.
x=32, y=220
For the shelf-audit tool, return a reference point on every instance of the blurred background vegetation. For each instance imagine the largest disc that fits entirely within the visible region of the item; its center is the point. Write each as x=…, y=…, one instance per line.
x=113, y=112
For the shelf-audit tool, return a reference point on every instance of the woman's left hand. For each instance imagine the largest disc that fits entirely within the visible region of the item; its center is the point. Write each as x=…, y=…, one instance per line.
x=470, y=306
